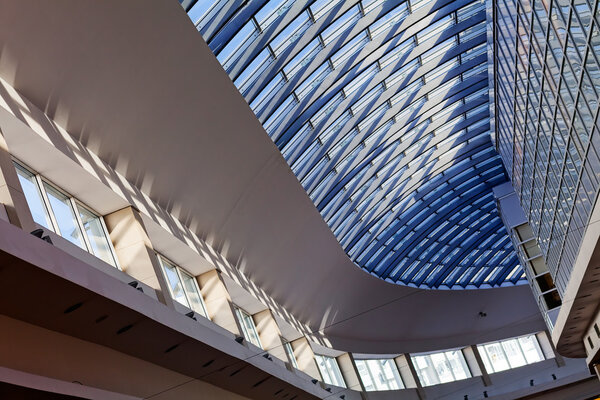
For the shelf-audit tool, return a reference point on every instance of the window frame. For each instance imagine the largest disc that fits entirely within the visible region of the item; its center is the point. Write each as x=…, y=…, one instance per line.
x=376, y=384
x=329, y=381
x=180, y=271
x=431, y=364
x=74, y=203
x=489, y=363
x=239, y=313
x=289, y=351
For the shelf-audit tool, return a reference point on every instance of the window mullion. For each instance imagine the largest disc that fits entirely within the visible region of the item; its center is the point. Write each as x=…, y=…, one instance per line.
x=110, y=243
x=42, y=188
x=185, y=293
x=86, y=240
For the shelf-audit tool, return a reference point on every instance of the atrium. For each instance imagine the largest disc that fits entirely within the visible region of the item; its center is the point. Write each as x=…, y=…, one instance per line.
x=299, y=199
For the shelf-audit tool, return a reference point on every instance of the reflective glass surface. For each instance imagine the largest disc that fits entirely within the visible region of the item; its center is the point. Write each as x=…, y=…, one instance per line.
x=174, y=282
x=183, y=287
x=64, y=215
x=248, y=327
x=57, y=211
x=96, y=235
x=381, y=110
x=34, y=197
x=547, y=128
x=330, y=370
x=510, y=353
x=379, y=374
x=443, y=367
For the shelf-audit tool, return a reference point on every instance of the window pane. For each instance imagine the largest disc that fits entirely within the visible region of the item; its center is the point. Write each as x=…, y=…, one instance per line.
x=248, y=327
x=96, y=235
x=330, y=370
x=531, y=348
x=290, y=352
x=513, y=353
x=379, y=374
x=174, y=283
x=64, y=215
x=193, y=294
x=34, y=198
x=443, y=367
x=496, y=357
x=458, y=365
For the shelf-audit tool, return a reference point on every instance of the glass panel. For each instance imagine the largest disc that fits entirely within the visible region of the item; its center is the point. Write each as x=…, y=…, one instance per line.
x=34, y=198
x=349, y=49
x=511, y=353
x=322, y=7
x=443, y=367
x=237, y=44
x=248, y=327
x=193, y=293
x=290, y=353
x=425, y=370
x=313, y=81
x=94, y=230
x=458, y=365
x=340, y=25
x=531, y=349
x=388, y=20
x=330, y=370
x=379, y=374
x=271, y=11
x=496, y=356
x=436, y=29
x=303, y=58
x=174, y=283
x=266, y=95
x=397, y=53
x=370, y=5
x=245, y=80
x=291, y=33
x=64, y=215
x=202, y=12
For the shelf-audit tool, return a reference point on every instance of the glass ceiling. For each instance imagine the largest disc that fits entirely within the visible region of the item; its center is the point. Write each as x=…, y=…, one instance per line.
x=380, y=107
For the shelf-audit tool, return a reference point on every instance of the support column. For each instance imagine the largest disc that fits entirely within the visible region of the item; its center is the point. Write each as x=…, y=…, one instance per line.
x=305, y=357
x=548, y=348
x=269, y=334
x=476, y=365
x=134, y=251
x=409, y=367
x=217, y=301
x=349, y=372
x=406, y=373
x=11, y=192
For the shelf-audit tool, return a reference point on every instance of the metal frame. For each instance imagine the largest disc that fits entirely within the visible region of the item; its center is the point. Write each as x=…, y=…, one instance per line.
x=180, y=271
